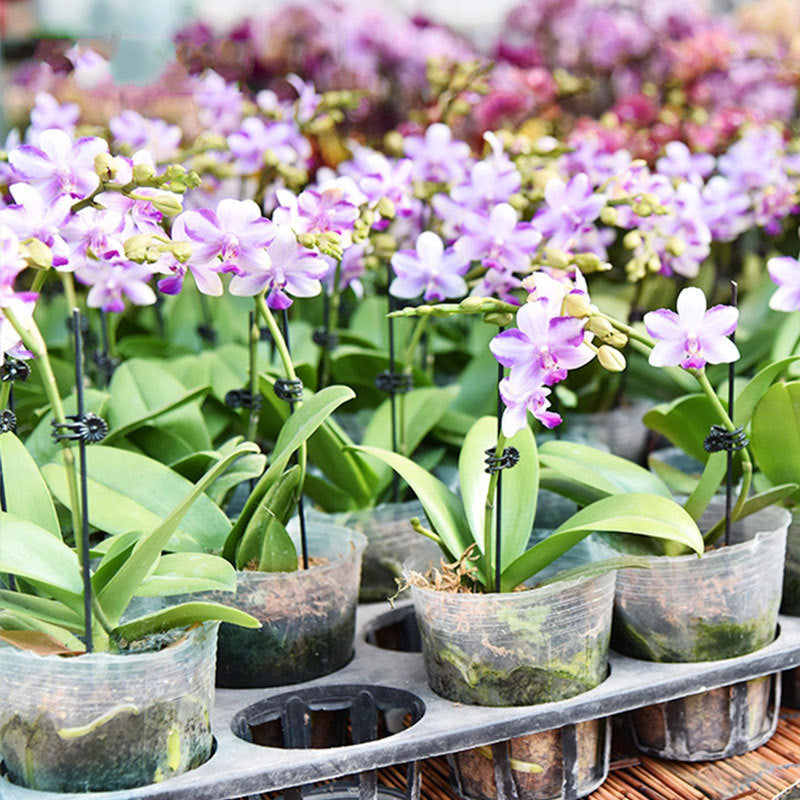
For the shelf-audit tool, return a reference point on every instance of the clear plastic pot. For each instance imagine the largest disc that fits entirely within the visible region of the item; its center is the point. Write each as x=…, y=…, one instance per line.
x=791, y=576
x=307, y=616
x=390, y=541
x=105, y=722
x=620, y=429
x=515, y=648
x=722, y=605
x=560, y=764
x=719, y=723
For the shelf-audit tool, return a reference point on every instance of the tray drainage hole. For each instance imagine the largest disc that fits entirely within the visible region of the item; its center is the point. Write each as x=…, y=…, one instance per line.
x=328, y=716
x=395, y=630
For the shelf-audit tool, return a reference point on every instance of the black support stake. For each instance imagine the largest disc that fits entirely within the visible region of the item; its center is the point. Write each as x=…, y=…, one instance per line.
x=392, y=394
x=729, y=476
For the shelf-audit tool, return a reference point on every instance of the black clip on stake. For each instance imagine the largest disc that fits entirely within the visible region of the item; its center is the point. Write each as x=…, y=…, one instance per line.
x=84, y=428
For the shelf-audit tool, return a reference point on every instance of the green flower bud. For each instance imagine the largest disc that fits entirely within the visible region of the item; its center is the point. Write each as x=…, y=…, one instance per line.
x=143, y=173
x=393, y=143
x=499, y=318
x=557, y=258
x=676, y=246
x=38, y=254
x=617, y=339
x=105, y=167
x=631, y=240
x=642, y=209
x=181, y=250
x=210, y=141
x=600, y=326
x=577, y=305
x=610, y=359
x=609, y=216
x=472, y=304
x=175, y=172
x=168, y=204
x=386, y=208
x=588, y=262
x=136, y=247
x=654, y=263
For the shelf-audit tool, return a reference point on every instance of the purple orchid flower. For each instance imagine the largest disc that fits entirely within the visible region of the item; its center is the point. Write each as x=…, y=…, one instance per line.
x=219, y=103
x=501, y=241
x=351, y=269
x=114, y=279
x=492, y=180
x=255, y=136
x=541, y=349
x=570, y=207
x=379, y=177
x=206, y=275
x=31, y=217
x=236, y=233
x=679, y=162
x=429, y=268
x=291, y=268
x=96, y=233
x=436, y=156
x=500, y=283
x=49, y=113
x=156, y=136
x=57, y=166
x=517, y=404
x=307, y=101
x=693, y=337
x=315, y=211
x=785, y=272
x=21, y=303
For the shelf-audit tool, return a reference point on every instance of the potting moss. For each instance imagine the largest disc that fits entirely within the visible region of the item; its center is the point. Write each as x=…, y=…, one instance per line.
x=704, y=642
x=132, y=747
x=283, y=653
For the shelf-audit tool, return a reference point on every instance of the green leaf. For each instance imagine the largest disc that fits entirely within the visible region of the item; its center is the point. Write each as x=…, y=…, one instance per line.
x=710, y=480
x=18, y=621
x=182, y=615
x=520, y=487
x=50, y=611
x=128, y=491
x=598, y=568
x=181, y=573
x=278, y=553
x=28, y=551
x=593, y=473
x=119, y=590
x=423, y=410
x=26, y=492
x=644, y=514
x=442, y=508
x=685, y=422
x=678, y=481
x=748, y=398
x=775, y=434
x=327, y=496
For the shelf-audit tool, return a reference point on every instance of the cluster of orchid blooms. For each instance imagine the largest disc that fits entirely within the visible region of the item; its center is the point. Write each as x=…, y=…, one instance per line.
x=521, y=224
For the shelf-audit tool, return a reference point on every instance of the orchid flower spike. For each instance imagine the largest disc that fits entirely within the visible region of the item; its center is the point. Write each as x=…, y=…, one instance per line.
x=694, y=336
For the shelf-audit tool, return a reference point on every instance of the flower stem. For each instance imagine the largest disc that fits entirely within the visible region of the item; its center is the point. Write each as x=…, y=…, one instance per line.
x=488, y=516
x=408, y=363
x=628, y=330
x=5, y=393
x=254, y=337
x=33, y=341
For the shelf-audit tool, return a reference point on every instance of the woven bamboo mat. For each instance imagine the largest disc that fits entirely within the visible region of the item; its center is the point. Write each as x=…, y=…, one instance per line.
x=760, y=775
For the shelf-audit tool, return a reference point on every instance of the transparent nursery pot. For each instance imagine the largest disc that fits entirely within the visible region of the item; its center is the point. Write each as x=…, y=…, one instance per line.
x=722, y=605
x=515, y=648
x=307, y=617
x=559, y=764
x=390, y=541
x=620, y=429
x=104, y=722
x=791, y=576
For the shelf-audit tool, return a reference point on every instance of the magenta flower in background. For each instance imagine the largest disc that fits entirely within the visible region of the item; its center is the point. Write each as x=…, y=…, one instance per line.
x=499, y=241
x=290, y=268
x=437, y=156
x=57, y=166
x=307, y=101
x=220, y=104
x=112, y=280
x=31, y=217
x=785, y=273
x=541, y=349
x=694, y=336
x=236, y=234
x=517, y=404
x=429, y=268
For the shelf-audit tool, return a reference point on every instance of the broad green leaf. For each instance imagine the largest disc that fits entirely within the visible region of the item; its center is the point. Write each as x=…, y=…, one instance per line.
x=685, y=422
x=119, y=590
x=128, y=491
x=599, y=568
x=423, y=410
x=28, y=551
x=677, y=480
x=713, y=473
x=278, y=553
x=644, y=514
x=26, y=492
x=50, y=611
x=142, y=392
x=182, y=615
x=181, y=573
x=748, y=398
x=327, y=496
x=753, y=504
x=599, y=474
x=442, y=508
x=775, y=434
x=520, y=488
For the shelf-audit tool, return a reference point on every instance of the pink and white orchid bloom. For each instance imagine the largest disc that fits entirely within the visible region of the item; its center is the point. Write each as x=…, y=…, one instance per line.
x=694, y=336
x=785, y=273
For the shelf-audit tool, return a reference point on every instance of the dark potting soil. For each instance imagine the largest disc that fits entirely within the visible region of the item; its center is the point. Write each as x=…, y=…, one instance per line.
x=131, y=748
x=281, y=653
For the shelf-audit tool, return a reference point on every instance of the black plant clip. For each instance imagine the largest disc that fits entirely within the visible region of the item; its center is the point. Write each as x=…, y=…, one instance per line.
x=14, y=370
x=494, y=463
x=8, y=421
x=288, y=390
x=394, y=382
x=105, y=363
x=327, y=340
x=89, y=428
x=242, y=398
x=720, y=438
x=206, y=332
